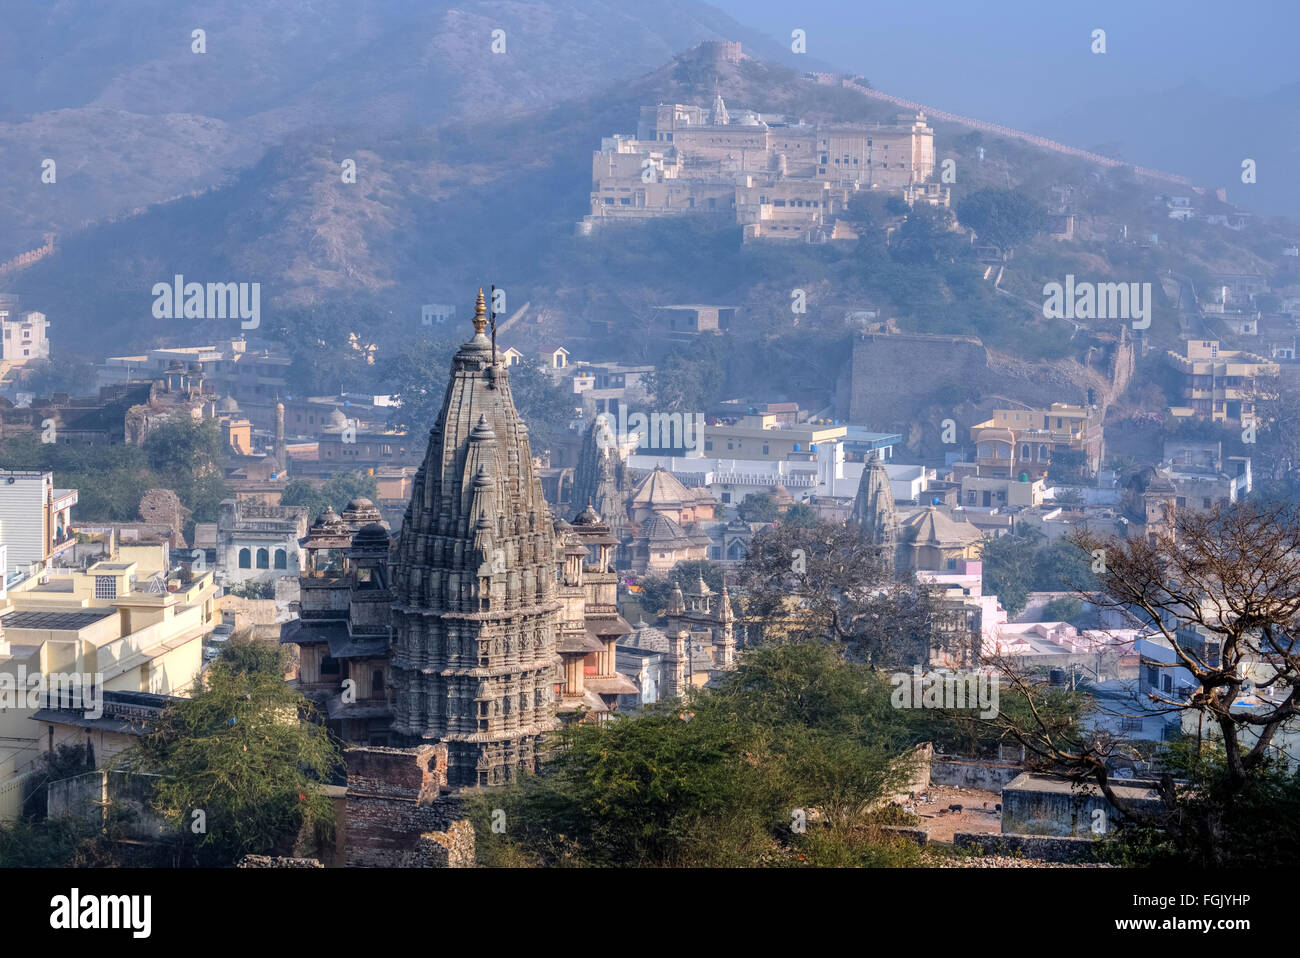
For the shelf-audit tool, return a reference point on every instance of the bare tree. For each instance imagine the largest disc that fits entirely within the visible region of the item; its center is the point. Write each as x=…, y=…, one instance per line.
x=1222, y=589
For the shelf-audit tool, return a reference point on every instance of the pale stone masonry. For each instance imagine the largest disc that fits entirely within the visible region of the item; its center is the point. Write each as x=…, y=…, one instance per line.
x=475, y=611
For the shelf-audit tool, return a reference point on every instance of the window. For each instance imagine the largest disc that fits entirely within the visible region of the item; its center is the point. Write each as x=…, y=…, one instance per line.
x=377, y=681
x=329, y=666
x=280, y=560
x=263, y=559
x=105, y=587
x=726, y=497
x=245, y=559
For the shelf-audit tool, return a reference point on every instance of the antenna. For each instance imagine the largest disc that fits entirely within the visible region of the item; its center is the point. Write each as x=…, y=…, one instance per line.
x=492, y=314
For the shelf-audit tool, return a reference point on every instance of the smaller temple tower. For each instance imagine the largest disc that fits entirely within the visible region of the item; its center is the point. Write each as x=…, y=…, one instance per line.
x=874, y=514
x=703, y=610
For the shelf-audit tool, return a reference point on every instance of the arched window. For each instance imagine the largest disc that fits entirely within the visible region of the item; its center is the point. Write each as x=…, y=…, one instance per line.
x=245, y=559
x=1042, y=452
x=1024, y=450
x=280, y=560
x=263, y=559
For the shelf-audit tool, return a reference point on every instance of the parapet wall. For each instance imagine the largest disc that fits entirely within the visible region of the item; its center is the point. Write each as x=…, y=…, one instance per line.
x=1053, y=849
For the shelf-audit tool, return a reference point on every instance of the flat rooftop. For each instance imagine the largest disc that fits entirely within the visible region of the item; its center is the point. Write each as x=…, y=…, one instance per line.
x=58, y=621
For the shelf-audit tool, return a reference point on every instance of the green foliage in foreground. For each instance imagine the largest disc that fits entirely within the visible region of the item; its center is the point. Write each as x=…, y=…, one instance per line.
x=1256, y=825
x=244, y=754
x=721, y=780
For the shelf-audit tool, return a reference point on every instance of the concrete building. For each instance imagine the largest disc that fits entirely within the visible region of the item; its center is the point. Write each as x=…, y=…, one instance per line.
x=1019, y=443
x=131, y=623
x=24, y=336
x=36, y=519
x=259, y=542
x=808, y=460
x=1221, y=384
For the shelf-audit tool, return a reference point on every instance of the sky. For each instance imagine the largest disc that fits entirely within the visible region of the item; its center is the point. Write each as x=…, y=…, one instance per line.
x=1018, y=61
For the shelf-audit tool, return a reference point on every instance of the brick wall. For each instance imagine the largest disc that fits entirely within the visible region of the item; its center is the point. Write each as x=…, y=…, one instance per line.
x=397, y=813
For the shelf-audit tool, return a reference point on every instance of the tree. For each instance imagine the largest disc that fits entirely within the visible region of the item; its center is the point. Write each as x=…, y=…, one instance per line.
x=687, y=381
x=1067, y=608
x=1068, y=465
x=542, y=404
x=801, y=514
x=925, y=238
x=1068, y=497
x=328, y=344
x=242, y=765
x=1222, y=593
x=1002, y=217
x=1008, y=566
x=186, y=455
x=758, y=507
x=655, y=590
x=716, y=781
x=416, y=372
x=808, y=582
x=898, y=626
x=244, y=655
x=335, y=492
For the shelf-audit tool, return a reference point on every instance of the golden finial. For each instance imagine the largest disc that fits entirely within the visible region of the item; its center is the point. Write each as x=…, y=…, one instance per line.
x=480, y=313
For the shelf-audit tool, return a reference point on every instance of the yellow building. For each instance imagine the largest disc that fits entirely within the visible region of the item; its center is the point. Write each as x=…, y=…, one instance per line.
x=126, y=625
x=763, y=437
x=1220, y=384
x=1020, y=442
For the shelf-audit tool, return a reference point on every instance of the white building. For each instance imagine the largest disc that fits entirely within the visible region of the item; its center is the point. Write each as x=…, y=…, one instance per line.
x=36, y=518
x=260, y=542
x=23, y=336
x=821, y=473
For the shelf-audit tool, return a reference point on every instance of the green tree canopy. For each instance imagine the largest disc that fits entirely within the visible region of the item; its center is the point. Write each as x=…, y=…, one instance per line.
x=241, y=765
x=1003, y=217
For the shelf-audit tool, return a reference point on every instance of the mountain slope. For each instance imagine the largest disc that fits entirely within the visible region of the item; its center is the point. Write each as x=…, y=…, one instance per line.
x=132, y=116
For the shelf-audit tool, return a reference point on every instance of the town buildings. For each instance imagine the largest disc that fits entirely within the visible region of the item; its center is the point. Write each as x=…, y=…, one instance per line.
x=131, y=622
x=777, y=177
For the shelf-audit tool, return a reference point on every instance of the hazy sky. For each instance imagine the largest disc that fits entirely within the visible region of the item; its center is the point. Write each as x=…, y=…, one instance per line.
x=1015, y=61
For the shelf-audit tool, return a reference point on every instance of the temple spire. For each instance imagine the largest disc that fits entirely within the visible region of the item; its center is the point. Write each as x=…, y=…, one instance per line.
x=480, y=314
